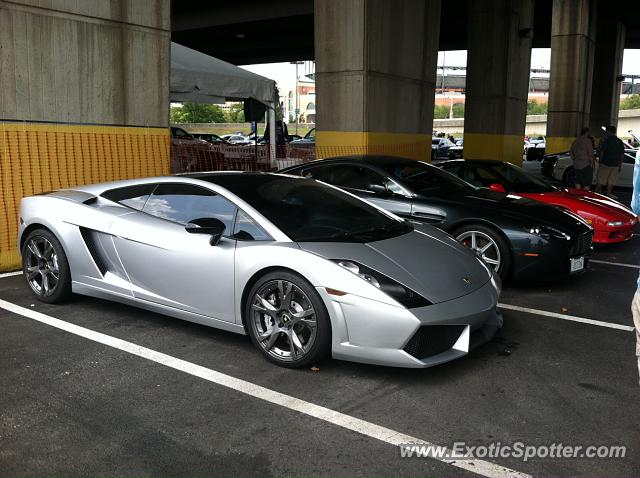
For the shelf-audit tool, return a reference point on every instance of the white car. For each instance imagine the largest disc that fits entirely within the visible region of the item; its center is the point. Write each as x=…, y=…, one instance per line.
x=560, y=166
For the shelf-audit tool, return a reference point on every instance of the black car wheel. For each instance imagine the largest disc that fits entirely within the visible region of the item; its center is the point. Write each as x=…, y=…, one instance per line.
x=287, y=320
x=45, y=267
x=488, y=244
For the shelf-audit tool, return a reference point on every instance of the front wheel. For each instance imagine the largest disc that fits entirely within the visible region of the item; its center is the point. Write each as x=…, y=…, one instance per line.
x=45, y=267
x=489, y=246
x=287, y=320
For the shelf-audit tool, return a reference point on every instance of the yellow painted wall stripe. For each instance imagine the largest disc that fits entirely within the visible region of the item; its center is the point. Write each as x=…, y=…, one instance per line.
x=558, y=144
x=38, y=157
x=498, y=147
x=338, y=143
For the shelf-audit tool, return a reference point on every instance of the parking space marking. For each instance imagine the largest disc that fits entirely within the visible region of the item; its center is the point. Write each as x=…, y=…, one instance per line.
x=621, y=264
x=571, y=318
x=387, y=435
x=9, y=274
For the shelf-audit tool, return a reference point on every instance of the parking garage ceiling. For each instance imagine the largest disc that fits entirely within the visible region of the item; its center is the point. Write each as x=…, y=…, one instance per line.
x=255, y=31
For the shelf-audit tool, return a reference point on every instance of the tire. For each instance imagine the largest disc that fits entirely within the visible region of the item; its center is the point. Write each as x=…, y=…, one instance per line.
x=569, y=177
x=498, y=254
x=296, y=334
x=47, y=276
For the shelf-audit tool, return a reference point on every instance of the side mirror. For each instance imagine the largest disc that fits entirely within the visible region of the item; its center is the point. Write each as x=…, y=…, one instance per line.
x=377, y=188
x=207, y=225
x=497, y=187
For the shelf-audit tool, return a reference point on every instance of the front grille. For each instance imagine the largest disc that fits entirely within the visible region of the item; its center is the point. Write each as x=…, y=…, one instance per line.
x=582, y=244
x=431, y=340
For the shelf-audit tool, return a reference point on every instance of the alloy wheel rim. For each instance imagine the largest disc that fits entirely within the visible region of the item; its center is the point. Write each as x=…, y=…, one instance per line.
x=483, y=245
x=284, y=320
x=41, y=266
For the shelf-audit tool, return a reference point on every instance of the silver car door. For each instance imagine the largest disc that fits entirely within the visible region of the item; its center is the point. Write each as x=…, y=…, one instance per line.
x=170, y=266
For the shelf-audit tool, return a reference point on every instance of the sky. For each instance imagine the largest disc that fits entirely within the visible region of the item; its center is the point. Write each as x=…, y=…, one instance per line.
x=285, y=73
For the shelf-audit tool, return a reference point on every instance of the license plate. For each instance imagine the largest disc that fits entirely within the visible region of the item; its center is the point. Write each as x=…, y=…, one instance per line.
x=577, y=264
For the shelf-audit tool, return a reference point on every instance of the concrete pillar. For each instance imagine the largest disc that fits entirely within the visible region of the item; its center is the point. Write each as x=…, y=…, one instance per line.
x=375, y=76
x=498, y=64
x=573, y=35
x=607, y=67
x=84, y=98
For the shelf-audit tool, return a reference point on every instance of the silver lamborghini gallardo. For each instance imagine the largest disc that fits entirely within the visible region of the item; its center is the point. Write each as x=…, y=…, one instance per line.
x=303, y=268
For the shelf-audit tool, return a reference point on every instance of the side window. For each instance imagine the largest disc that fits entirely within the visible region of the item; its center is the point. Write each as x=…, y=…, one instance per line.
x=131, y=196
x=354, y=177
x=245, y=225
x=184, y=203
x=180, y=133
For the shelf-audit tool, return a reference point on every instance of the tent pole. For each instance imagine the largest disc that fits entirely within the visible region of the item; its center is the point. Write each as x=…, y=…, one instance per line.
x=272, y=133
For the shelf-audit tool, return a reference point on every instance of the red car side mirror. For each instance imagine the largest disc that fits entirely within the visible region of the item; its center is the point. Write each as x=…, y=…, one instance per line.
x=497, y=187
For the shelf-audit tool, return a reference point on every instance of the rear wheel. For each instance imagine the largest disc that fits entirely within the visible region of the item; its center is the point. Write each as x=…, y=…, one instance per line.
x=287, y=320
x=45, y=267
x=488, y=244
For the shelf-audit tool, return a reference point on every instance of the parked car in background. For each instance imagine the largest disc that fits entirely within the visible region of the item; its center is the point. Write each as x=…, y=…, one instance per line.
x=303, y=268
x=210, y=137
x=309, y=138
x=187, y=152
x=516, y=236
x=236, y=139
x=440, y=148
x=611, y=221
x=457, y=150
x=560, y=167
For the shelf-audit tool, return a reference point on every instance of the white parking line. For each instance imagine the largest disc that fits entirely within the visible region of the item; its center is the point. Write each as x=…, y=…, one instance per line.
x=9, y=274
x=387, y=435
x=621, y=264
x=571, y=318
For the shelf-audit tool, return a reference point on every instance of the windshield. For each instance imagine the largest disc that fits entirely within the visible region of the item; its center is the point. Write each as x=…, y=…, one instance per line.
x=514, y=179
x=425, y=179
x=309, y=211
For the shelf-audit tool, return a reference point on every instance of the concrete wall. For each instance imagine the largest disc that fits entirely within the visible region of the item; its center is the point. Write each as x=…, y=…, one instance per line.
x=84, y=98
x=91, y=61
x=627, y=120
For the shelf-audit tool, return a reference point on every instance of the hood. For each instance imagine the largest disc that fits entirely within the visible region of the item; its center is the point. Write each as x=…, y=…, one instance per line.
x=425, y=260
x=523, y=210
x=591, y=206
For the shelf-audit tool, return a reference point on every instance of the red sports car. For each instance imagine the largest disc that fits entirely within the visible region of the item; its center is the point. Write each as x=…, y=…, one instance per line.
x=611, y=221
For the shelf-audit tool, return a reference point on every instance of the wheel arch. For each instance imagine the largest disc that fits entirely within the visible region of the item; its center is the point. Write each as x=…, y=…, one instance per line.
x=493, y=227
x=251, y=282
x=32, y=227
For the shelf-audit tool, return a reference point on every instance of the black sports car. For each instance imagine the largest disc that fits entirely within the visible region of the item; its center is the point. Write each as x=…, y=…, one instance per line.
x=518, y=237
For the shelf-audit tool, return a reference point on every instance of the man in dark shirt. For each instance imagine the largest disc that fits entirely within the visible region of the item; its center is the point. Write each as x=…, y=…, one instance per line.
x=611, y=157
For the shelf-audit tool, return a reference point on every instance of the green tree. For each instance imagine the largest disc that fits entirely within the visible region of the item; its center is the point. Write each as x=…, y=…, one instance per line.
x=458, y=110
x=631, y=102
x=236, y=113
x=535, y=108
x=175, y=114
x=201, y=113
x=440, y=112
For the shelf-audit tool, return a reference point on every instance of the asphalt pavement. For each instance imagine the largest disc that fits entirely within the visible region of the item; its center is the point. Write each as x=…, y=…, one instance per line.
x=74, y=406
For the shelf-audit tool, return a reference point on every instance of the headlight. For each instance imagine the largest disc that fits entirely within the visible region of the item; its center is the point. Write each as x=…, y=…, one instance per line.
x=407, y=297
x=615, y=223
x=547, y=232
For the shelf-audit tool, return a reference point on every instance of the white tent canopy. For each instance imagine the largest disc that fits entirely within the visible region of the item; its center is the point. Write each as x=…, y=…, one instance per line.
x=200, y=78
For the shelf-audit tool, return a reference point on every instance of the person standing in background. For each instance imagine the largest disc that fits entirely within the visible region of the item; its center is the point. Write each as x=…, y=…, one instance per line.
x=635, y=303
x=611, y=157
x=582, y=156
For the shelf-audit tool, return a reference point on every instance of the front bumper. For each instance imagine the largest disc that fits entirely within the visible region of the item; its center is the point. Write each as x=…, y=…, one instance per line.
x=370, y=332
x=612, y=235
x=553, y=260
